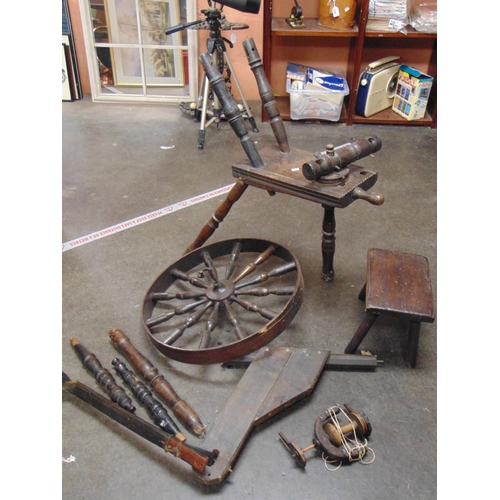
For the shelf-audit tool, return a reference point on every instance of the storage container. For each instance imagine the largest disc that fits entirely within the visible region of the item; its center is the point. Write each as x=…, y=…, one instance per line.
x=316, y=104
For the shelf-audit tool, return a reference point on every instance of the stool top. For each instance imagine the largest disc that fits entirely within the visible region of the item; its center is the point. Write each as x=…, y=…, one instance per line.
x=398, y=283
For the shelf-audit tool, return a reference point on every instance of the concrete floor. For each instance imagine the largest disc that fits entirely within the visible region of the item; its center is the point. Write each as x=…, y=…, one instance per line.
x=122, y=161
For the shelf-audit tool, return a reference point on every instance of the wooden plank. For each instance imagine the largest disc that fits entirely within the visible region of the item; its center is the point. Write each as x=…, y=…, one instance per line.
x=272, y=382
x=297, y=379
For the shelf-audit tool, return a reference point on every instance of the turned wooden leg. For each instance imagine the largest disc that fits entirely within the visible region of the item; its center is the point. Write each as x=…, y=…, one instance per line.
x=412, y=346
x=328, y=243
x=361, y=332
x=220, y=213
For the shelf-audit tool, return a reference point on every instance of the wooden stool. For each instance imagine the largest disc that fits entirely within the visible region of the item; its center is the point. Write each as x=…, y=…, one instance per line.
x=397, y=284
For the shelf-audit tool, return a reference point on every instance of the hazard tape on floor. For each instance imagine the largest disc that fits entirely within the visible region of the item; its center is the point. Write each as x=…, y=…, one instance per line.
x=97, y=235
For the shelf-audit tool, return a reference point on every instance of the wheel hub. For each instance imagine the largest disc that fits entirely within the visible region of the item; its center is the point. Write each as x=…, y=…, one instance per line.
x=221, y=291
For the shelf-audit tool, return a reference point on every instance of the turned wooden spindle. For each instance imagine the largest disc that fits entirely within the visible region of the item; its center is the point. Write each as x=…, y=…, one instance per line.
x=102, y=375
x=158, y=382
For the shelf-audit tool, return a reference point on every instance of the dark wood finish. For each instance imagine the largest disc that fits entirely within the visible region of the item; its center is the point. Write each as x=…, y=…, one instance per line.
x=156, y=410
x=397, y=284
x=225, y=347
x=353, y=362
x=282, y=174
x=328, y=243
x=158, y=382
x=180, y=449
x=102, y=375
x=276, y=378
x=219, y=215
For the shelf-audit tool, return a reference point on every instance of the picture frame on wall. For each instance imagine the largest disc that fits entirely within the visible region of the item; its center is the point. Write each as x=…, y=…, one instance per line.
x=162, y=65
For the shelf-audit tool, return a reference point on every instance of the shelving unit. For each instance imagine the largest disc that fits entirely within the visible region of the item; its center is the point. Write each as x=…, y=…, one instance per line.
x=348, y=50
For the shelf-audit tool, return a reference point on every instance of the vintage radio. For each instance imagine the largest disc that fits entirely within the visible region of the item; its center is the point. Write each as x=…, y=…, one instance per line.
x=377, y=86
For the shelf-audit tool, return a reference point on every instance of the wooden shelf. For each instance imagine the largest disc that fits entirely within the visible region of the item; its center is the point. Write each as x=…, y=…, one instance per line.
x=280, y=27
x=349, y=50
x=389, y=117
x=397, y=34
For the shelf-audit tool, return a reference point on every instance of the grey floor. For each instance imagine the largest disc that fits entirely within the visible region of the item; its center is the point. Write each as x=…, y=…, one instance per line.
x=122, y=161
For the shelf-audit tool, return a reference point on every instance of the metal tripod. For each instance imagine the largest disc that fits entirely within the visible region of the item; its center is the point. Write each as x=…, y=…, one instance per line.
x=216, y=47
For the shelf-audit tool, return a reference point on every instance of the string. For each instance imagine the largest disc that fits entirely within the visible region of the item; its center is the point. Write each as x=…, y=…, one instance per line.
x=350, y=445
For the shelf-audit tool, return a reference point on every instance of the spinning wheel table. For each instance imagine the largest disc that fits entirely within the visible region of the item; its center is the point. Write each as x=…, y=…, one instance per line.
x=281, y=174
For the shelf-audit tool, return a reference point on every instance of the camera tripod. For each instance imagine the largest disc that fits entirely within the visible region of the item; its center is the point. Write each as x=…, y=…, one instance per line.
x=208, y=102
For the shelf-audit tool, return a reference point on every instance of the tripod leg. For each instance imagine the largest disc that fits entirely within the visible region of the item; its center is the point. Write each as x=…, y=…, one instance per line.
x=220, y=213
x=251, y=119
x=204, y=105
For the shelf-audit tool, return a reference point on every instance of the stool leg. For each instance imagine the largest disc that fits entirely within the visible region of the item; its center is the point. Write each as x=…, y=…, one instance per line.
x=412, y=346
x=361, y=332
x=328, y=243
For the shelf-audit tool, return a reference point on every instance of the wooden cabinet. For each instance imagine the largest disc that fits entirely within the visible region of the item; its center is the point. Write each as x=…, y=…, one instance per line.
x=348, y=50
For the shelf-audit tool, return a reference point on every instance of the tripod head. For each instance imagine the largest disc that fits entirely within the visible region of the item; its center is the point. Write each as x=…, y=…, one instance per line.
x=215, y=21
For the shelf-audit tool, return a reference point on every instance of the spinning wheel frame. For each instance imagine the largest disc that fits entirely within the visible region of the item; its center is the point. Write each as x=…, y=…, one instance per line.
x=220, y=252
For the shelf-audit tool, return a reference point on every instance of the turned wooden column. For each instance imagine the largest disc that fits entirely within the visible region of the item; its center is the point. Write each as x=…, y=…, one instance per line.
x=328, y=243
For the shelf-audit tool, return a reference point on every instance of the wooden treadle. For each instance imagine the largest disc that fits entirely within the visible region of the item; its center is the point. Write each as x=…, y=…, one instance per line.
x=276, y=378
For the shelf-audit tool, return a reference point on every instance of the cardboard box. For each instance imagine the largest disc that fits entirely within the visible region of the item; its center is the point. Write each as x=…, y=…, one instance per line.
x=412, y=93
x=325, y=80
x=296, y=71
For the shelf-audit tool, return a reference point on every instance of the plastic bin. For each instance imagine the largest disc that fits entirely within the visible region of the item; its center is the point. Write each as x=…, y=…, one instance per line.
x=312, y=104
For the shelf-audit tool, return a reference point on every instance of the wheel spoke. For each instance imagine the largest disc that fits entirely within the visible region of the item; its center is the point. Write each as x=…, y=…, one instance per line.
x=212, y=272
x=260, y=278
x=263, y=292
x=250, y=268
x=190, y=321
x=211, y=324
x=239, y=331
x=250, y=306
x=185, y=277
x=179, y=295
x=161, y=318
x=233, y=259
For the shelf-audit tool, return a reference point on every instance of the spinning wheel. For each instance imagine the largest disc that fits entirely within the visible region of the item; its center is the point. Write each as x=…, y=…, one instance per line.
x=223, y=301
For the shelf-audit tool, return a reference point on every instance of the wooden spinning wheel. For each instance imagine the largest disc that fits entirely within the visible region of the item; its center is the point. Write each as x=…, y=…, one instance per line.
x=223, y=301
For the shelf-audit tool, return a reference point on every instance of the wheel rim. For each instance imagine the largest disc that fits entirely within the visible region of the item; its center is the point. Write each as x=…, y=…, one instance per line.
x=207, y=295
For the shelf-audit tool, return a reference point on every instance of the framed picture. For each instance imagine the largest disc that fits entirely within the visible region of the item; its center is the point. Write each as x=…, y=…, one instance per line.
x=139, y=25
x=72, y=67
x=66, y=84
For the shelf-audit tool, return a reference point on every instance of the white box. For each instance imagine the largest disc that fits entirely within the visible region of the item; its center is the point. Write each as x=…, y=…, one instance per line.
x=312, y=104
